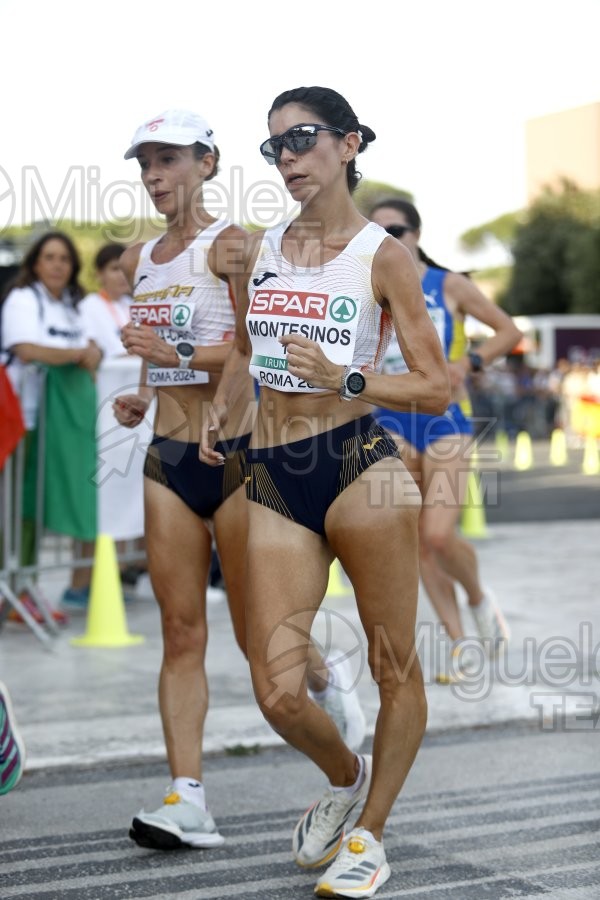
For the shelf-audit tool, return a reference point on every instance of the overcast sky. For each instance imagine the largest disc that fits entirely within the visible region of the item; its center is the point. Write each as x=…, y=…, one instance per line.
x=447, y=85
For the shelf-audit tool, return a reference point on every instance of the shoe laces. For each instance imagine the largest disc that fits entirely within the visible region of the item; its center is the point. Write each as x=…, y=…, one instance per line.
x=333, y=807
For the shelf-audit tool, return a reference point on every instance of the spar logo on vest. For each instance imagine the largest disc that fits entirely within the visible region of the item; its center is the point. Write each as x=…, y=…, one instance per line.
x=289, y=303
x=161, y=314
x=329, y=320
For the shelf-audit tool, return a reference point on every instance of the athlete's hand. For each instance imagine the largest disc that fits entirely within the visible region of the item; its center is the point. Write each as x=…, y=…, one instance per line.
x=306, y=360
x=130, y=409
x=457, y=373
x=212, y=428
x=140, y=340
x=91, y=357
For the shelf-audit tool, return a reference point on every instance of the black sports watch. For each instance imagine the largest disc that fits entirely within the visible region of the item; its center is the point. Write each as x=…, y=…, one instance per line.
x=353, y=383
x=476, y=362
x=185, y=353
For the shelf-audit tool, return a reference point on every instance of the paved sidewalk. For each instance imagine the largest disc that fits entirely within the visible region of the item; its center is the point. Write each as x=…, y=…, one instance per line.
x=78, y=706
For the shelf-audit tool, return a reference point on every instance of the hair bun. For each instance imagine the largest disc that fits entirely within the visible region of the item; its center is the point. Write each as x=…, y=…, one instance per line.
x=367, y=134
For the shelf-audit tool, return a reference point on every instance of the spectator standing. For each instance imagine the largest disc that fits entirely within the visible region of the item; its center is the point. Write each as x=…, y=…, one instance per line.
x=41, y=325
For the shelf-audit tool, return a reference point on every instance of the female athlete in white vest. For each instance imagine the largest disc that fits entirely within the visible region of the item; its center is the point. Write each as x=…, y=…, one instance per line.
x=324, y=478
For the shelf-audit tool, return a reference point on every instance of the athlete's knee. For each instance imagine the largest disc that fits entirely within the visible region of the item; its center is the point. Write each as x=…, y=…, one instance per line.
x=397, y=673
x=282, y=710
x=426, y=555
x=280, y=700
x=183, y=635
x=438, y=541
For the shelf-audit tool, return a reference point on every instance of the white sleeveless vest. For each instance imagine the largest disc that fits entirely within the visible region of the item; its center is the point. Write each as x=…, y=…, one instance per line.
x=332, y=304
x=183, y=301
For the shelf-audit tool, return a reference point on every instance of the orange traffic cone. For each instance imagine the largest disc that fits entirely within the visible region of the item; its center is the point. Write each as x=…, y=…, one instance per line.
x=106, y=624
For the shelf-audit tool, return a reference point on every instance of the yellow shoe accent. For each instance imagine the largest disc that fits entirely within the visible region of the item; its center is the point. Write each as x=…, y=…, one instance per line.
x=443, y=678
x=172, y=799
x=325, y=890
x=357, y=845
x=372, y=444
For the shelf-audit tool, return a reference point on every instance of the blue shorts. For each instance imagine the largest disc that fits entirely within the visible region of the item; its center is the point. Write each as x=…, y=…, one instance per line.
x=202, y=488
x=421, y=430
x=301, y=480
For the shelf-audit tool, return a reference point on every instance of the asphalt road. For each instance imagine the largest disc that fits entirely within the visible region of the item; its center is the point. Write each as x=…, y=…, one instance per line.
x=496, y=812
x=520, y=820
x=540, y=493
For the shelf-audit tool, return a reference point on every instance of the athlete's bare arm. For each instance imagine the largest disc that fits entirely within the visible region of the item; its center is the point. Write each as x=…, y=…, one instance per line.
x=240, y=256
x=425, y=388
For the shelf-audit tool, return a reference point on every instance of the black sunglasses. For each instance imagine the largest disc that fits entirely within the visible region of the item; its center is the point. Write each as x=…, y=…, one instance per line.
x=298, y=139
x=398, y=231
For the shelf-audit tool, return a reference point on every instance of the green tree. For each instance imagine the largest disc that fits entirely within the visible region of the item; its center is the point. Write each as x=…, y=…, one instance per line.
x=368, y=193
x=556, y=255
x=584, y=272
x=503, y=229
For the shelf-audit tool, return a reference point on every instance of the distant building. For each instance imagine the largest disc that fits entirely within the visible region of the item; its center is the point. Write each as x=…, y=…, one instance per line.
x=564, y=145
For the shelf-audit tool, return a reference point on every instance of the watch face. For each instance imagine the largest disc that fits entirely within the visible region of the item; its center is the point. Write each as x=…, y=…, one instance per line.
x=476, y=362
x=185, y=349
x=355, y=382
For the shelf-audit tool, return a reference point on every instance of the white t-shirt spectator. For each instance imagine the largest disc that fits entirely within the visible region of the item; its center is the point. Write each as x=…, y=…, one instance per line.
x=30, y=315
x=104, y=319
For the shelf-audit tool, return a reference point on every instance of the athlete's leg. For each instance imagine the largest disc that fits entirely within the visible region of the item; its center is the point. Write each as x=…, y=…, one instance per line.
x=377, y=542
x=231, y=537
x=288, y=569
x=441, y=592
x=178, y=546
x=445, y=471
x=438, y=585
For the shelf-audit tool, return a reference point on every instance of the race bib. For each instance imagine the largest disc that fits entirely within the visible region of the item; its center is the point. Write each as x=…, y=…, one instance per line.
x=169, y=322
x=330, y=320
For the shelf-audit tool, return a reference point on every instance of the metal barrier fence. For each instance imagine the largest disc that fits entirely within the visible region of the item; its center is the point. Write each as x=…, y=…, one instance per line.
x=119, y=458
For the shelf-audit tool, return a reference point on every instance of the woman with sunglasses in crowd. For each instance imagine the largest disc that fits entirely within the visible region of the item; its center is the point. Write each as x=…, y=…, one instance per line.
x=323, y=294
x=184, y=285
x=436, y=448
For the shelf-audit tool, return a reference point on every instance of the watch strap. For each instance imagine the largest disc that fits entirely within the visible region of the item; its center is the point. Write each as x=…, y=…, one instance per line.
x=343, y=395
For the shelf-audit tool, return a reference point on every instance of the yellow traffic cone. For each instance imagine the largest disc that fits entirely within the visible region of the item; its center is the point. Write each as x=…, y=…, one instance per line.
x=473, y=524
x=523, y=452
x=558, y=448
x=591, y=463
x=106, y=624
x=336, y=586
x=502, y=447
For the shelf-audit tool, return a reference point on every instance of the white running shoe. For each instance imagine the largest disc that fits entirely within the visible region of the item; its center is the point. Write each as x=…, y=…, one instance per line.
x=319, y=834
x=177, y=823
x=491, y=626
x=342, y=705
x=359, y=869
